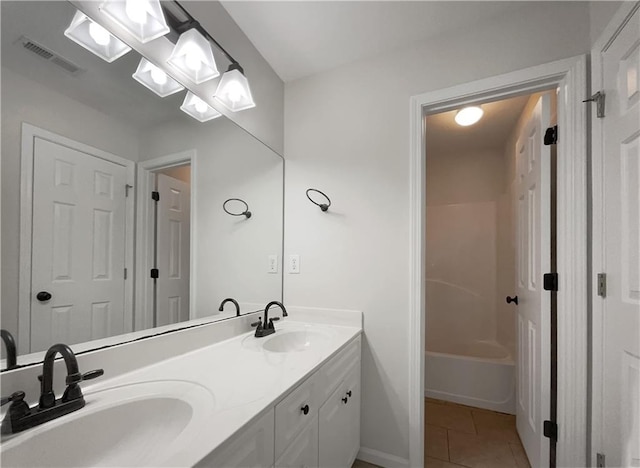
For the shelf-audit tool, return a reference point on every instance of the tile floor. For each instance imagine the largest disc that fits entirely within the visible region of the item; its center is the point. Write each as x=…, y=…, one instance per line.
x=462, y=436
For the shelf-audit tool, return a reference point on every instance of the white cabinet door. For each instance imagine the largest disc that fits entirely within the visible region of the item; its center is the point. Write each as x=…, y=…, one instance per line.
x=533, y=261
x=303, y=451
x=620, y=383
x=339, y=424
x=251, y=448
x=294, y=413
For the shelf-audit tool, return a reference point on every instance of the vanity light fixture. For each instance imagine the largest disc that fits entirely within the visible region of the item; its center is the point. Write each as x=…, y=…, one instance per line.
x=198, y=109
x=233, y=89
x=192, y=56
x=156, y=79
x=468, y=115
x=93, y=37
x=144, y=19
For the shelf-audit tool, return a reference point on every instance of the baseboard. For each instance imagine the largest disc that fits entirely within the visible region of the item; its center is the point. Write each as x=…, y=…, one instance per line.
x=382, y=459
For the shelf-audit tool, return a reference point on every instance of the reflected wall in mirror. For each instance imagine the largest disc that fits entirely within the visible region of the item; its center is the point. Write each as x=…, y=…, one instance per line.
x=84, y=147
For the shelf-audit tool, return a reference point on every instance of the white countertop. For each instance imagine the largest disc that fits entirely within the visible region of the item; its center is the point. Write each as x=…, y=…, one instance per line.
x=243, y=379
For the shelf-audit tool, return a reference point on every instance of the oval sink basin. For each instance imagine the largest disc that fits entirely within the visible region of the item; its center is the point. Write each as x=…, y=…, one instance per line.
x=295, y=340
x=133, y=425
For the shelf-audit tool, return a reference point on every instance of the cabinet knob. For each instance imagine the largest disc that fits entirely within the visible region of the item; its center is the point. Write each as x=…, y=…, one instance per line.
x=349, y=393
x=305, y=409
x=344, y=400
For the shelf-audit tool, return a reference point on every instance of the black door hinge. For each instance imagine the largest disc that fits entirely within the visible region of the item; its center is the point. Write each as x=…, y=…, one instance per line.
x=155, y=273
x=155, y=196
x=550, y=430
x=551, y=136
x=550, y=282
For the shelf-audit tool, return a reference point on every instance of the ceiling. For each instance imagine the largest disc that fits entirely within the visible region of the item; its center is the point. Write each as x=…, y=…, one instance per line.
x=301, y=38
x=444, y=135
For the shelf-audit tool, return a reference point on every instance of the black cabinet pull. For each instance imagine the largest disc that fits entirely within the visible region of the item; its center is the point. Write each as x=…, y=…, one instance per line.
x=305, y=409
x=349, y=393
x=344, y=400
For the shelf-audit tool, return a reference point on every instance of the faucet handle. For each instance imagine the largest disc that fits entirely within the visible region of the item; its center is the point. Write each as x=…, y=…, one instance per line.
x=78, y=377
x=15, y=396
x=257, y=324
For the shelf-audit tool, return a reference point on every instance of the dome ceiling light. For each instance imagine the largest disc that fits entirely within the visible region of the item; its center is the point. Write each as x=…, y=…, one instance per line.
x=468, y=116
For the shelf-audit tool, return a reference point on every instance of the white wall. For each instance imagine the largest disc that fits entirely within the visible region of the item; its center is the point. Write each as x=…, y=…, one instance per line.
x=230, y=252
x=24, y=100
x=347, y=132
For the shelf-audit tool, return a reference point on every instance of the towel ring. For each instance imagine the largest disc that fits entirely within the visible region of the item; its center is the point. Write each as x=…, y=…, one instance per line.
x=323, y=206
x=246, y=211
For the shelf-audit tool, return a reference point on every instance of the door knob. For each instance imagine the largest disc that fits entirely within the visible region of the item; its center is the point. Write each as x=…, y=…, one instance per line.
x=513, y=299
x=43, y=296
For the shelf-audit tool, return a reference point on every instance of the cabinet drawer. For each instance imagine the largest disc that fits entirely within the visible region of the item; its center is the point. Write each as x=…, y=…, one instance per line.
x=332, y=373
x=303, y=451
x=294, y=413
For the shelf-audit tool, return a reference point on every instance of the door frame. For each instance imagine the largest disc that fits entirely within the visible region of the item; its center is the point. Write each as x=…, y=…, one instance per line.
x=572, y=415
x=144, y=240
x=598, y=264
x=28, y=135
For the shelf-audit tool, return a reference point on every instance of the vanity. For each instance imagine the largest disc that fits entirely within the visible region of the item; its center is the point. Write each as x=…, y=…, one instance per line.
x=288, y=400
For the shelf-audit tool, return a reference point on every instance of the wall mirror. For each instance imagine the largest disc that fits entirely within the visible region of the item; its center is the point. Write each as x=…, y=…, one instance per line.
x=106, y=186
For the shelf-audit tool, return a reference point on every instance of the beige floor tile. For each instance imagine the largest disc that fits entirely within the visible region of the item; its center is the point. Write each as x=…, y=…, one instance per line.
x=497, y=426
x=435, y=443
x=479, y=452
x=362, y=464
x=435, y=463
x=520, y=455
x=450, y=417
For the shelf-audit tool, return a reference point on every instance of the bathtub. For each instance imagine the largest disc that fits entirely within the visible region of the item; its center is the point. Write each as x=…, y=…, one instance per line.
x=480, y=374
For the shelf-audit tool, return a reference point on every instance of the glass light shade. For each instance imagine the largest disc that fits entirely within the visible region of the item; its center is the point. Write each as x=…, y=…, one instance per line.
x=193, y=57
x=144, y=19
x=93, y=37
x=468, y=116
x=233, y=90
x=198, y=109
x=156, y=79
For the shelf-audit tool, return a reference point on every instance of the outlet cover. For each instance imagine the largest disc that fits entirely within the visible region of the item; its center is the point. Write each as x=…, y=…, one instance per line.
x=294, y=264
x=273, y=264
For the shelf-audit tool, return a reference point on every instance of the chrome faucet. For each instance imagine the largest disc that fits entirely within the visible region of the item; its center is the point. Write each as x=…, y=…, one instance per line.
x=267, y=328
x=20, y=416
x=10, y=346
x=234, y=302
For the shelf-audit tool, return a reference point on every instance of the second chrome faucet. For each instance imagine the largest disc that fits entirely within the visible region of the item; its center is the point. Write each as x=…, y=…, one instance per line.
x=267, y=328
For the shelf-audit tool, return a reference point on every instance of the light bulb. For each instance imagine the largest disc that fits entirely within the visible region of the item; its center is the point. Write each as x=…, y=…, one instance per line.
x=158, y=76
x=99, y=34
x=234, y=91
x=468, y=116
x=192, y=59
x=201, y=106
x=136, y=11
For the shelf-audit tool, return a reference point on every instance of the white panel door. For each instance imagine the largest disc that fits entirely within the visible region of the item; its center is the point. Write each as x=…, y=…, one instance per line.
x=533, y=211
x=621, y=334
x=173, y=225
x=78, y=246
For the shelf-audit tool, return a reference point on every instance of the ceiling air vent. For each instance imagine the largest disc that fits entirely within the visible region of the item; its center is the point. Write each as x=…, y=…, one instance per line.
x=46, y=54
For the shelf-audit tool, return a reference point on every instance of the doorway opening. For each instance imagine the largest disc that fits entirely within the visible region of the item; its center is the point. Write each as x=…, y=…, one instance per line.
x=490, y=229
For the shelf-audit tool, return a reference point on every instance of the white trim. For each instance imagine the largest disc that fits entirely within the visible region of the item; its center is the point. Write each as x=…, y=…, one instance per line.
x=144, y=317
x=383, y=459
x=571, y=326
x=601, y=45
x=29, y=133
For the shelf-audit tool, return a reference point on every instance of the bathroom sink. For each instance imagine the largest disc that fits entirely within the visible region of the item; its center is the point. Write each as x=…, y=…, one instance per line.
x=285, y=341
x=133, y=425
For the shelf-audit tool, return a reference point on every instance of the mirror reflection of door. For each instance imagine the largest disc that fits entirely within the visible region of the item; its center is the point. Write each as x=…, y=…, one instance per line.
x=172, y=245
x=78, y=245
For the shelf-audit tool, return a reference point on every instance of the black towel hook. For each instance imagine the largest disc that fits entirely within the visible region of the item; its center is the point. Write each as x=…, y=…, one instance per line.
x=323, y=206
x=246, y=211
